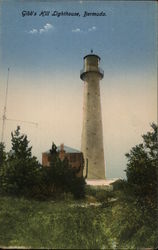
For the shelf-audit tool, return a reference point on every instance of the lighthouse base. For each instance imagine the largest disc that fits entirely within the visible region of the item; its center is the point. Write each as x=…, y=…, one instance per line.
x=101, y=183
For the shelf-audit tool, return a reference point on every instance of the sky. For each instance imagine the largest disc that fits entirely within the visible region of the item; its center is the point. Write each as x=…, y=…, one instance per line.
x=45, y=56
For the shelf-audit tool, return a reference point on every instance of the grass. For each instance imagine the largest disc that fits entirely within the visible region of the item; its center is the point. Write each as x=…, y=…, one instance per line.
x=49, y=224
x=103, y=220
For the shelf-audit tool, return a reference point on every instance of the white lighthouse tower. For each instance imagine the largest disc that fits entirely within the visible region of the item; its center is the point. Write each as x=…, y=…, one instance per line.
x=92, y=132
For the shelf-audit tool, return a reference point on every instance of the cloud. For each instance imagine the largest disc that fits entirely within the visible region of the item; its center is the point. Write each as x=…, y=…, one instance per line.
x=41, y=31
x=33, y=31
x=93, y=28
x=76, y=30
x=47, y=27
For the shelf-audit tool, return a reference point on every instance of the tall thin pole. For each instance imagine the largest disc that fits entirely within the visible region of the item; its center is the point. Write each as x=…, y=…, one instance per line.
x=5, y=108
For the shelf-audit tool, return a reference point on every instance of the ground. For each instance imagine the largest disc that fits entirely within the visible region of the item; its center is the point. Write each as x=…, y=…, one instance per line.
x=103, y=220
x=53, y=224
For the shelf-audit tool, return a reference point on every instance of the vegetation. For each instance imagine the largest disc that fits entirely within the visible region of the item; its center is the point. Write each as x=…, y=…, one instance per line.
x=125, y=217
x=142, y=170
x=72, y=224
x=132, y=227
x=138, y=195
x=54, y=225
x=21, y=173
x=19, y=170
x=2, y=154
x=61, y=177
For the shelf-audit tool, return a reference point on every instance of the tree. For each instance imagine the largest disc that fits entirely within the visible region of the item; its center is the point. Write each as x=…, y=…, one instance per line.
x=134, y=224
x=61, y=177
x=20, y=146
x=142, y=169
x=20, y=172
x=2, y=154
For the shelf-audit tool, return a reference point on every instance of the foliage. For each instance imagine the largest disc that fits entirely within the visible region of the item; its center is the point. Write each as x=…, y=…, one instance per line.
x=20, y=146
x=142, y=170
x=75, y=225
x=126, y=217
x=53, y=225
x=77, y=187
x=20, y=172
x=61, y=177
x=133, y=227
x=102, y=195
x=119, y=185
x=134, y=212
x=3, y=155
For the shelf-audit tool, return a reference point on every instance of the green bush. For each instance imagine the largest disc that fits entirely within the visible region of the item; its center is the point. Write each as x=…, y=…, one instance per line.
x=142, y=170
x=132, y=227
x=19, y=171
x=119, y=185
x=3, y=154
x=61, y=177
x=21, y=174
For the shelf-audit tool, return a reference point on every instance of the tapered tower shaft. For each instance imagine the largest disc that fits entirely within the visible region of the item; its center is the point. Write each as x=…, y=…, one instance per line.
x=92, y=132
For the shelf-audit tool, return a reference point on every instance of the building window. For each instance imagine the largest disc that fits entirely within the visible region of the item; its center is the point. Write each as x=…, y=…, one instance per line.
x=78, y=157
x=73, y=157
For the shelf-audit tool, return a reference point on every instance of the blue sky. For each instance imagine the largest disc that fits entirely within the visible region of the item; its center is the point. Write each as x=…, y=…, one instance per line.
x=125, y=38
x=45, y=55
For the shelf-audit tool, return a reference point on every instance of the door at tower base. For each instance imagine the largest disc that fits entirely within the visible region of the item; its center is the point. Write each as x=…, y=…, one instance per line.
x=92, y=131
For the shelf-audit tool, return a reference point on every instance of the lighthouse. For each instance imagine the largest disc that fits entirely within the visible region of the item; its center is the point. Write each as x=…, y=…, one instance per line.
x=92, y=131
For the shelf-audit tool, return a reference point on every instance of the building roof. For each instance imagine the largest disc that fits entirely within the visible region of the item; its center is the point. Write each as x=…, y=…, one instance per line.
x=69, y=150
x=66, y=149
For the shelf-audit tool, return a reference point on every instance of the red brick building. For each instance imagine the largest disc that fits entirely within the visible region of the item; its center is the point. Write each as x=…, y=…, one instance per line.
x=74, y=156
